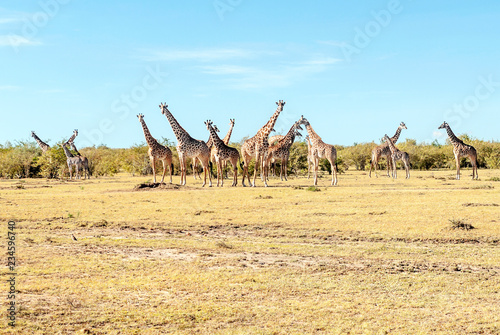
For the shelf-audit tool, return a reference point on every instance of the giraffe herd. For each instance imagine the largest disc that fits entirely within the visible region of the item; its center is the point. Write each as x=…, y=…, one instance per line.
x=261, y=148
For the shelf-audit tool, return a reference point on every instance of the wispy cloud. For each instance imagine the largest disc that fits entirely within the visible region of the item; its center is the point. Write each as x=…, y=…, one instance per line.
x=247, y=68
x=9, y=88
x=322, y=61
x=7, y=20
x=200, y=55
x=16, y=41
x=339, y=44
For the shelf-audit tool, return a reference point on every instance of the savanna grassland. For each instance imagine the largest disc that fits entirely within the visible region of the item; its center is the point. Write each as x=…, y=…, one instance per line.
x=369, y=256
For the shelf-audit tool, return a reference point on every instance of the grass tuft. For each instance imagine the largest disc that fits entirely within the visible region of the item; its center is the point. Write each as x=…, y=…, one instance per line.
x=313, y=189
x=223, y=245
x=460, y=224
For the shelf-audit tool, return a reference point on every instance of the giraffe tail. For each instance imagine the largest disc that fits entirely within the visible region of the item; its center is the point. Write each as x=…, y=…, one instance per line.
x=172, y=167
x=242, y=164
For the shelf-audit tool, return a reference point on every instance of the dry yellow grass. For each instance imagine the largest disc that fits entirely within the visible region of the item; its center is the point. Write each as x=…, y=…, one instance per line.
x=369, y=256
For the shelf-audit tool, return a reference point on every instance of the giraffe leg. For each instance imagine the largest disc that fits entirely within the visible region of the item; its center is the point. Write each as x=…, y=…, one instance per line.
x=334, y=172
x=171, y=168
x=316, y=166
x=457, y=162
x=235, y=172
x=164, y=170
x=394, y=169
x=219, y=173
x=182, y=161
x=153, y=164
x=264, y=168
x=256, y=167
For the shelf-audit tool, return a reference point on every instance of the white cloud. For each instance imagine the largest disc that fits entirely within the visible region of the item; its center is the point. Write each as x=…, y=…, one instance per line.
x=437, y=134
x=201, y=55
x=9, y=88
x=16, y=41
x=322, y=61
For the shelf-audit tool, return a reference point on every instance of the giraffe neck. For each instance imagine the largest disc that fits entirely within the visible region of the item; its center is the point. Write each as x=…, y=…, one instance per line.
x=179, y=132
x=454, y=140
x=266, y=130
x=391, y=145
x=72, y=138
x=75, y=149
x=289, y=137
x=313, y=137
x=149, y=139
x=44, y=146
x=395, y=138
x=228, y=135
x=209, y=141
x=67, y=152
x=216, y=141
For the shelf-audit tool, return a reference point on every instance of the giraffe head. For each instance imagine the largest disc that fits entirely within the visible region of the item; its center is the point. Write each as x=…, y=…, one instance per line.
x=209, y=123
x=304, y=121
x=140, y=117
x=280, y=104
x=386, y=138
x=297, y=133
x=443, y=126
x=231, y=122
x=75, y=134
x=33, y=134
x=164, y=108
x=402, y=125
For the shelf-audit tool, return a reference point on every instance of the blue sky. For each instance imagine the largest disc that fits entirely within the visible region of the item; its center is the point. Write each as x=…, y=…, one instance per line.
x=355, y=70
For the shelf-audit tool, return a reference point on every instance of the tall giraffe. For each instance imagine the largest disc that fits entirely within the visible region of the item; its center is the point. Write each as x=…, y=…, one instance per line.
x=319, y=150
x=226, y=141
x=281, y=150
x=272, y=141
x=71, y=161
x=256, y=147
x=194, y=164
x=398, y=155
x=157, y=151
x=188, y=147
x=222, y=152
x=84, y=161
x=229, y=132
x=460, y=149
x=44, y=146
x=383, y=150
x=309, y=156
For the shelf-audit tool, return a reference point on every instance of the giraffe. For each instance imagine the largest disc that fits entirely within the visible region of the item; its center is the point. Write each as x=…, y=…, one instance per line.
x=383, y=150
x=188, y=147
x=44, y=146
x=272, y=141
x=226, y=141
x=84, y=161
x=257, y=147
x=194, y=164
x=71, y=161
x=222, y=152
x=229, y=132
x=397, y=155
x=460, y=149
x=309, y=156
x=281, y=150
x=157, y=151
x=320, y=149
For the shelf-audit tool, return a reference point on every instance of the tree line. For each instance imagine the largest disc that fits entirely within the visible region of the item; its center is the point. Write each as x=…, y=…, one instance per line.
x=24, y=159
